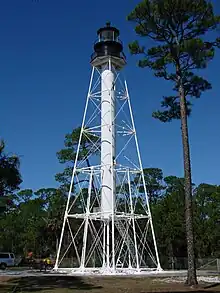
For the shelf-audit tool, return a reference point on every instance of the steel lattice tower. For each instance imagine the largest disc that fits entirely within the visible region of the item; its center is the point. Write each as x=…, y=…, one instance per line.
x=107, y=227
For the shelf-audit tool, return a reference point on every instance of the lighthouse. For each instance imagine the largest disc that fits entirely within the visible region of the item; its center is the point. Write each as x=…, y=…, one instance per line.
x=108, y=54
x=107, y=225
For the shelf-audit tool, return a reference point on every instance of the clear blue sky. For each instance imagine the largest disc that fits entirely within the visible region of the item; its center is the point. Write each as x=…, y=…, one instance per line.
x=45, y=50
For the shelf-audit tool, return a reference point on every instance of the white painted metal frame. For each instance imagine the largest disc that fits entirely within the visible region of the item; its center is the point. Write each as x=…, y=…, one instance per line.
x=124, y=241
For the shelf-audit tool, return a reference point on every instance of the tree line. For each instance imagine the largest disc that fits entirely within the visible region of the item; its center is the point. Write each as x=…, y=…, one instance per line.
x=33, y=219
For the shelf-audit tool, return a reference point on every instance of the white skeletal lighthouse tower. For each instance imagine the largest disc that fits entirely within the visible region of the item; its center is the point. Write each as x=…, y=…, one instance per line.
x=107, y=226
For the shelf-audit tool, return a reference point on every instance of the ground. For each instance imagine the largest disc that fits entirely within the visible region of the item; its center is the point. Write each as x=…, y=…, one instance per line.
x=70, y=284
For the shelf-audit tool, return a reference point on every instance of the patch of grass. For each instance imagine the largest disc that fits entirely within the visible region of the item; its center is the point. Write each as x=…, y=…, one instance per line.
x=70, y=284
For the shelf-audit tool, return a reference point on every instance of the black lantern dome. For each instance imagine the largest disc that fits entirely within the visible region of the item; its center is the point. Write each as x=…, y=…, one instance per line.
x=108, y=45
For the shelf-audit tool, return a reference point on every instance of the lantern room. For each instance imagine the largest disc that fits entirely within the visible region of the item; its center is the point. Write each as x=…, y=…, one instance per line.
x=108, y=45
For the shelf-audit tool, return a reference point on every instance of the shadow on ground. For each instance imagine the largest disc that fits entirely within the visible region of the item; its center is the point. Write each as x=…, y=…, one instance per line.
x=61, y=284
x=41, y=283
x=186, y=291
x=212, y=286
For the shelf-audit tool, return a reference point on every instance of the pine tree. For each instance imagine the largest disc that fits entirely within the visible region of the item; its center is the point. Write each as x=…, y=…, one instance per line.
x=179, y=29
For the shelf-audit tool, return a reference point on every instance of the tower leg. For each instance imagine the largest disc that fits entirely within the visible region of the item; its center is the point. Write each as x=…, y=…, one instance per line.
x=74, y=171
x=60, y=243
x=133, y=223
x=104, y=246
x=142, y=175
x=107, y=246
x=82, y=265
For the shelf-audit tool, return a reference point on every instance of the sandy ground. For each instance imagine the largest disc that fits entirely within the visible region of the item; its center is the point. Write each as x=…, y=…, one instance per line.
x=48, y=283
x=22, y=272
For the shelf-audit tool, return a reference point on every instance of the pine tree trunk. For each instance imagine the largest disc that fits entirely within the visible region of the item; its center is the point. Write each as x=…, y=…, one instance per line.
x=191, y=274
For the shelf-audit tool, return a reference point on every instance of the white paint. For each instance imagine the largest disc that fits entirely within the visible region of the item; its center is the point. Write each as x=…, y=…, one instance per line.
x=176, y=279
x=107, y=140
x=125, y=253
x=74, y=171
x=85, y=234
x=107, y=156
